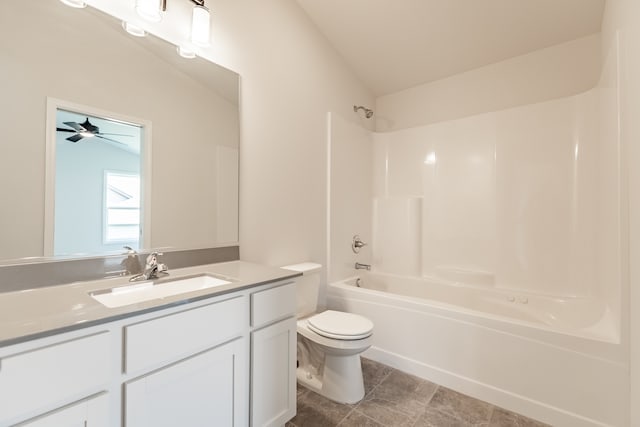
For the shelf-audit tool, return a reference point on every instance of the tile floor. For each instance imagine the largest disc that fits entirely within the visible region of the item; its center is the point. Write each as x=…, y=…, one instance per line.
x=394, y=398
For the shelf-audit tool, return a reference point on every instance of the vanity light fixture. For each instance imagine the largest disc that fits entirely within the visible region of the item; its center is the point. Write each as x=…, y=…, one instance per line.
x=200, y=24
x=151, y=9
x=78, y=4
x=134, y=30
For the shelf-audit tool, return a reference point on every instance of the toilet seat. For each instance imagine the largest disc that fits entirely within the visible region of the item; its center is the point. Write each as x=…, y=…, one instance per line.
x=340, y=326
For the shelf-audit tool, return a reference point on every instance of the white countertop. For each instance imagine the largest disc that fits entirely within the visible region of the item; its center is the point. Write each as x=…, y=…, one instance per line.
x=35, y=313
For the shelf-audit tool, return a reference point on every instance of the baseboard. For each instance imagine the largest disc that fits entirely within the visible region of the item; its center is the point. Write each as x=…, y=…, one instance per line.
x=502, y=398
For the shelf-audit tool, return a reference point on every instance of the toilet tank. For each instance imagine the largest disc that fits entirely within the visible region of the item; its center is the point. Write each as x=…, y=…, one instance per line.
x=307, y=286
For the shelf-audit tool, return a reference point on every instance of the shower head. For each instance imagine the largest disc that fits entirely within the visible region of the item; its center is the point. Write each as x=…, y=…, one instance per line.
x=367, y=112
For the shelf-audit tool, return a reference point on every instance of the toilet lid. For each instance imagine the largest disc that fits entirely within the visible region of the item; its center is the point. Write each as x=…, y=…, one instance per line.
x=340, y=325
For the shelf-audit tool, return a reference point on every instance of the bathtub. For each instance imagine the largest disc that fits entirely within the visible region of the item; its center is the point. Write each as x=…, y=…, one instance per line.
x=558, y=360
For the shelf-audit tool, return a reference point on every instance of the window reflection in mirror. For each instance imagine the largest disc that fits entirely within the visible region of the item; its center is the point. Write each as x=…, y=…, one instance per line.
x=121, y=212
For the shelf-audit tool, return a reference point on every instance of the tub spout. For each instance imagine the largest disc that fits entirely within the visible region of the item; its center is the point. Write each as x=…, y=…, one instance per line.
x=360, y=266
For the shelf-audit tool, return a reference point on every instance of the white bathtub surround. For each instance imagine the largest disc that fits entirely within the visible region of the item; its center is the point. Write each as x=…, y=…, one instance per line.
x=517, y=297
x=550, y=359
x=526, y=195
x=568, y=317
x=349, y=204
x=397, y=249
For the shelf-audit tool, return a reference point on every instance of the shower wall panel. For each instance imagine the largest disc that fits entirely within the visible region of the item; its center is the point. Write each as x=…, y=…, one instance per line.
x=350, y=194
x=511, y=198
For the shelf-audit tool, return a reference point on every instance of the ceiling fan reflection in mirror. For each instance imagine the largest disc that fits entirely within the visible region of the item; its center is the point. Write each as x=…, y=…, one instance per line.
x=88, y=130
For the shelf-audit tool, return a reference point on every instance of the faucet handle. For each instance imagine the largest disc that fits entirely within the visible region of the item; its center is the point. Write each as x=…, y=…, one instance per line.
x=152, y=258
x=162, y=268
x=357, y=244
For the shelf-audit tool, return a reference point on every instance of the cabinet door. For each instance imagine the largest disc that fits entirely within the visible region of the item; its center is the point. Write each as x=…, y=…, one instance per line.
x=206, y=390
x=273, y=374
x=89, y=413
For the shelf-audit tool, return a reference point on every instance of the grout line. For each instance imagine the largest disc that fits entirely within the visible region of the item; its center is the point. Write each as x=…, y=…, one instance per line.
x=433, y=394
x=493, y=409
x=365, y=396
x=417, y=419
x=379, y=382
x=362, y=414
x=346, y=416
x=427, y=403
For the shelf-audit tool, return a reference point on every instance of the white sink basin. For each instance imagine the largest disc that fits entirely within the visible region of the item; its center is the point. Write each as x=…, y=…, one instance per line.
x=146, y=291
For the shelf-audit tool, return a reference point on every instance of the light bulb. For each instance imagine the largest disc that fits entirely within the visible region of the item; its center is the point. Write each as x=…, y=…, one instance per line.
x=149, y=9
x=200, y=26
x=186, y=52
x=134, y=30
x=79, y=4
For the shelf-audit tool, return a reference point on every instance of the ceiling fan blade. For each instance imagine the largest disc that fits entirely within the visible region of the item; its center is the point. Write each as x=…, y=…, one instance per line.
x=111, y=140
x=114, y=134
x=65, y=130
x=75, y=126
x=75, y=138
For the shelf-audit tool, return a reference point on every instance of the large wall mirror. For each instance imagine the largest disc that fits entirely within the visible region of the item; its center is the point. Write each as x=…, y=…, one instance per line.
x=81, y=67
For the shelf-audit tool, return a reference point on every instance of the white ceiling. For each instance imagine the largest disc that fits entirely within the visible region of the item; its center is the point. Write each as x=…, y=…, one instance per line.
x=396, y=44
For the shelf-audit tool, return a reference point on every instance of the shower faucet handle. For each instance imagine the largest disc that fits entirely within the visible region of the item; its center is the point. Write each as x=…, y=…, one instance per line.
x=357, y=244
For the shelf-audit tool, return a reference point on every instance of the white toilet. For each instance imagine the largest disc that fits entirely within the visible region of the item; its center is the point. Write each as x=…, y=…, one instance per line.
x=329, y=343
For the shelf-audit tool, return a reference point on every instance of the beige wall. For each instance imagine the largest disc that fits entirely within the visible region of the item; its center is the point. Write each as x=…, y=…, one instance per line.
x=555, y=72
x=291, y=78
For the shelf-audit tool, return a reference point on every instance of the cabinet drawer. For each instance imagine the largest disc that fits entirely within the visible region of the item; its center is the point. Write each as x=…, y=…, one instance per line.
x=39, y=380
x=273, y=304
x=159, y=341
x=93, y=412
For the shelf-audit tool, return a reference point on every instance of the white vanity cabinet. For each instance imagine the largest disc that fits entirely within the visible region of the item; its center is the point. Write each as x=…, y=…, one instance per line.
x=225, y=361
x=273, y=356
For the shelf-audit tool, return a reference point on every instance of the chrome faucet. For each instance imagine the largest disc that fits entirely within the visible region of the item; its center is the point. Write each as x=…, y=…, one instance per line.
x=151, y=268
x=360, y=266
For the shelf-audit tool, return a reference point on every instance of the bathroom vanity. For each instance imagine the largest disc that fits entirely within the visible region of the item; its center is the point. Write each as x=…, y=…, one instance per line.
x=222, y=356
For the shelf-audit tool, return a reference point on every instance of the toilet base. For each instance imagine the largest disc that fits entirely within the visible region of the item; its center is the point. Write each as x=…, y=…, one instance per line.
x=341, y=379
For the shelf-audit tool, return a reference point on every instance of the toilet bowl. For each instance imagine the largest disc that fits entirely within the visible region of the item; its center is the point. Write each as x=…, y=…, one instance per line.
x=329, y=342
x=329, y=356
